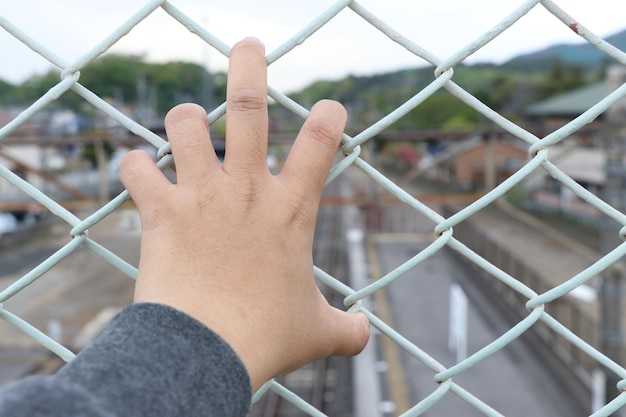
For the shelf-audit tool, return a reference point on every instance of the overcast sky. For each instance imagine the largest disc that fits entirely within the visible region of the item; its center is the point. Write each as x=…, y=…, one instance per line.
x=347, y=45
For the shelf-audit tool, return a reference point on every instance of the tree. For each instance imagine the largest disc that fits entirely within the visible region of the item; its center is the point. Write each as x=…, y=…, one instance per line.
x=127, y=79
x=561, y=78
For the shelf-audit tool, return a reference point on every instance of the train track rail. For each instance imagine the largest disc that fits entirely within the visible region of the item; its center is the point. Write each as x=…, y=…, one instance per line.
x=322, y=383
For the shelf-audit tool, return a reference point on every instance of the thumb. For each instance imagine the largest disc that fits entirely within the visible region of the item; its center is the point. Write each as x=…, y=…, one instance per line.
x=349, y=332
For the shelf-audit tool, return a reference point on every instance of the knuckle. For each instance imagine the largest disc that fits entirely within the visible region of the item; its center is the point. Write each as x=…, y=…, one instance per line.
x=324, y=132
x=302, y=214
x=247, y=100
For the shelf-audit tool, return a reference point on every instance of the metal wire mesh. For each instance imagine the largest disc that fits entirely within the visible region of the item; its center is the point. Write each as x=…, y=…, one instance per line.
x=538, y=150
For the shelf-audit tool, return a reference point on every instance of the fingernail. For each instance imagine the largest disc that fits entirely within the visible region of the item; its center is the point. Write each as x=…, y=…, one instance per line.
x=253, y=39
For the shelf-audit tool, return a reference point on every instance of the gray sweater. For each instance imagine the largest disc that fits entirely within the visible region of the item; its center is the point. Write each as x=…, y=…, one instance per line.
x=151, y=361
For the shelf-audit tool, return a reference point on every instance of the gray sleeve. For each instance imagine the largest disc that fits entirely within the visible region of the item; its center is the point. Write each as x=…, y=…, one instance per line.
x=151, y=360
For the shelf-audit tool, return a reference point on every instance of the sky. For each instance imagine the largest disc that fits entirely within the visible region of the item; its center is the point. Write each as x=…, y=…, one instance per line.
x=347, y=45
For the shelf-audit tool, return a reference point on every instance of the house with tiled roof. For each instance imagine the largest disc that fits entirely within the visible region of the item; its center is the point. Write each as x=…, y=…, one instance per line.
x=571, y=103
x=560, y=109
x=583, y=155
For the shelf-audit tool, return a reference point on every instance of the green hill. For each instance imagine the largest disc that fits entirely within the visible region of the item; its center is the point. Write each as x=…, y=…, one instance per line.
x=368, y=99
x=583, y=54
x=506, y=88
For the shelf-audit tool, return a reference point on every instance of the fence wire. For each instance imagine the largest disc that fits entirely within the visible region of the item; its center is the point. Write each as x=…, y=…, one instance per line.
x=443, y=78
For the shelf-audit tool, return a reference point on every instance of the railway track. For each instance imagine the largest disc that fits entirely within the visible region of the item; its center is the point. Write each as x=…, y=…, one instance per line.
x=324, y=384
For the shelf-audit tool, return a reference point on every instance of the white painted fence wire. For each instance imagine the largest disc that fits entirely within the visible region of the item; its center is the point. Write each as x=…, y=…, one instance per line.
x=443, y=78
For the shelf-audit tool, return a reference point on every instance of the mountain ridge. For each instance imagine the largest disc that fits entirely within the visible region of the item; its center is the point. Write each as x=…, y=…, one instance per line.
x=507, y=88
x=583, y=54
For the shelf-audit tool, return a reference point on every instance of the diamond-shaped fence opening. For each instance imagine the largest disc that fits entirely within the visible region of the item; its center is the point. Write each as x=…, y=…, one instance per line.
x=543, y=301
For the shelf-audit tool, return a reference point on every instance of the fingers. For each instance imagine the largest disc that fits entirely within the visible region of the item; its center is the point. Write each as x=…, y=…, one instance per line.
x=246, y=111
x=141, y=177
x=315, y=147
x=188, y=132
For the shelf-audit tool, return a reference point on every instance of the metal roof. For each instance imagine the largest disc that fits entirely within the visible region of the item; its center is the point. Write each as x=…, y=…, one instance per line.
x=573, y=103
x=582, y=164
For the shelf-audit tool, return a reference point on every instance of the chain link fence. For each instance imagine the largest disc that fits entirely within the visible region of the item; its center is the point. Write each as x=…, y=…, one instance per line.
x=538, y=148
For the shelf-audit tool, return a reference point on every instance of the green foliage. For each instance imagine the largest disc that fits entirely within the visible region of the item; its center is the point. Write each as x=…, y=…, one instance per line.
x=129, y=80
x=562, y=78
x=517, y=196
x=29, y=91
x=8, y=93
x=132, y=81
x=441, y=111
x=507, y=91
x=368, y=99
x=114, y=76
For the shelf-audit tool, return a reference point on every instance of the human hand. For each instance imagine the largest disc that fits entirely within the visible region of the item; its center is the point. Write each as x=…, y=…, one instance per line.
x=231, y=245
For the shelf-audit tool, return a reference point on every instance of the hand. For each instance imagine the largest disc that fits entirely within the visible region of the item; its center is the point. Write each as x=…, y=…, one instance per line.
x=232, y=245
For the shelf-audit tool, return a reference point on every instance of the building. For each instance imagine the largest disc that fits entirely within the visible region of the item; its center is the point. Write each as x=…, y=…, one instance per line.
x=482, y=162
x=559, y=110
x=586, y=155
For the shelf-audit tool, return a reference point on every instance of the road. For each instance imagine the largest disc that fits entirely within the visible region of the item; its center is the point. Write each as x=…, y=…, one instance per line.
x=511, y=381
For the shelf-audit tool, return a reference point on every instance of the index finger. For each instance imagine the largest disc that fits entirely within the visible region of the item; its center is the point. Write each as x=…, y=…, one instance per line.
x=246, y=111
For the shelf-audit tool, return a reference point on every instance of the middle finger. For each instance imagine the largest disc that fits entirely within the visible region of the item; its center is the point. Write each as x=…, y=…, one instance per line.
x=246, y=111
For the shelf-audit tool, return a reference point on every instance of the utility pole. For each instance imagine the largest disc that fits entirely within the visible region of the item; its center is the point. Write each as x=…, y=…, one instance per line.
x=491, y=139
x=612, y=291
x=612, y=280
x=103, y=172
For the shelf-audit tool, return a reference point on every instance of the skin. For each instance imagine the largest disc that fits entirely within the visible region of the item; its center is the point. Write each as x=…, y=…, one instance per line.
x=231, y=245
